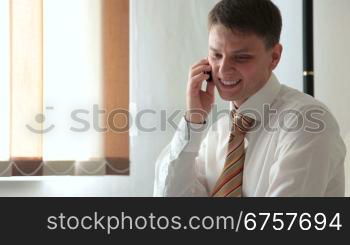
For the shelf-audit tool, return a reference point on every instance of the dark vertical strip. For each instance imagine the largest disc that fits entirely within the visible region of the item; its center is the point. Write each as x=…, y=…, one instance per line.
x=115, y=27
x=308, y=47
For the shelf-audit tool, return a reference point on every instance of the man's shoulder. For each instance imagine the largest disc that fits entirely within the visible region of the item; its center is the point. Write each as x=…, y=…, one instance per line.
x=298, y=104
x=290, y=98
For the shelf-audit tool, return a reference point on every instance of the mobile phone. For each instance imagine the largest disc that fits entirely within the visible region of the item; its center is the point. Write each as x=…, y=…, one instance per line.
x=210, y=79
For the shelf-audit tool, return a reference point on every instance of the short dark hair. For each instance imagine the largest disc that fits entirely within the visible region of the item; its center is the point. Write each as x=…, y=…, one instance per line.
x=260, y=17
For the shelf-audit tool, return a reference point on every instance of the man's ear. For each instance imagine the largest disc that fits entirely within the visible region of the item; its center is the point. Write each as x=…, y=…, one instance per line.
x=276, y=55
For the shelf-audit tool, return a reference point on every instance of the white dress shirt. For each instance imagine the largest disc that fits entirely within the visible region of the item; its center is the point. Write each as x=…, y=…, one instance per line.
x=287, y=160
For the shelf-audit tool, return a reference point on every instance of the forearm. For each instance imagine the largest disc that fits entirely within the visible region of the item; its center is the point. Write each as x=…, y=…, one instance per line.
x=177, y=172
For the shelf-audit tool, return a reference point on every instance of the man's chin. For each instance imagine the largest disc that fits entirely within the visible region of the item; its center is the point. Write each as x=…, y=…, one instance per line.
x=228, y=97
x=238, y=100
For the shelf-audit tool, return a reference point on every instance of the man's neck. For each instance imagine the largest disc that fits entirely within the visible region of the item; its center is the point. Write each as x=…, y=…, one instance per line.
x=238, y=103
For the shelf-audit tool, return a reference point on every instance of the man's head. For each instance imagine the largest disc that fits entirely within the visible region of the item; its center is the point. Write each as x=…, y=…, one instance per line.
x=243, y=46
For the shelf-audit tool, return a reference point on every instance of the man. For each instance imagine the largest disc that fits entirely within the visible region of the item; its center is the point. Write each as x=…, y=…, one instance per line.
x=276, y=141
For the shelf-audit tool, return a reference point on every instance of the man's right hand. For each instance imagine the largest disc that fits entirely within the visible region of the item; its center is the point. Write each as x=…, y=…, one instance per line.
x=198, y=102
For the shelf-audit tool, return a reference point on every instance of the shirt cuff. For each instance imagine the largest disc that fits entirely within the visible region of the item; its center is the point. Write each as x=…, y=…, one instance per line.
x=188, y=136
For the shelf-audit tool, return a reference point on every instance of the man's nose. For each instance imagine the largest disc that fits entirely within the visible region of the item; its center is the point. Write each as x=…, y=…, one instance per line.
x=226, y=67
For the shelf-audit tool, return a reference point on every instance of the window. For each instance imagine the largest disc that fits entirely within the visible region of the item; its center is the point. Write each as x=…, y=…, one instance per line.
x=64, y=87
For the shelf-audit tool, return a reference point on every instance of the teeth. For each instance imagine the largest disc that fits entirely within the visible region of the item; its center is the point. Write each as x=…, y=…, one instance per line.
x=229, y=83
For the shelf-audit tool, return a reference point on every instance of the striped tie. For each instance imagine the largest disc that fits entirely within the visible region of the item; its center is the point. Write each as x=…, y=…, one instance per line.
x=229, y=183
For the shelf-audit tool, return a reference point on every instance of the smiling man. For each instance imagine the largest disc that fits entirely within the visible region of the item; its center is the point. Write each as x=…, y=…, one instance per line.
x=276, y=141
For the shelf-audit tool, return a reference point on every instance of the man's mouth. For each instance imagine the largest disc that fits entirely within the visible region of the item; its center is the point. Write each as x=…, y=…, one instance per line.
x=230, y=82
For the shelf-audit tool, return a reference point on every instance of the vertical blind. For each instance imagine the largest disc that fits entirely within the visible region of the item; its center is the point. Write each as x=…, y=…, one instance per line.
x=26, y=83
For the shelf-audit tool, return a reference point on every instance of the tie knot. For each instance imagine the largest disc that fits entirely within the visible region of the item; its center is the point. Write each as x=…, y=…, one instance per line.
x=241, y=122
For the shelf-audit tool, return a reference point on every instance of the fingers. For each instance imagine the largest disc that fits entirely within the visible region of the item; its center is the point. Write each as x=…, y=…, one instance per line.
x=210, y=88
x=196, y=97
x=197, y=75
x=201, y=62
x=200, y=69
x=197, y=80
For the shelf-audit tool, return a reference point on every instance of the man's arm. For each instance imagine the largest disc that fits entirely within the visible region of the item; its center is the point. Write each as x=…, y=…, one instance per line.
x=308, y=161
x=180, y=166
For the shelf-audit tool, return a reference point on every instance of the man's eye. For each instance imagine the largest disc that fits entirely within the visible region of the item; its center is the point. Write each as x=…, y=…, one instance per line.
x=243, y=58
x=217, y=56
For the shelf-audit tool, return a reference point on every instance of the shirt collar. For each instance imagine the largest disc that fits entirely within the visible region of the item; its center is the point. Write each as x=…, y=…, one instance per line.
x=265, y=96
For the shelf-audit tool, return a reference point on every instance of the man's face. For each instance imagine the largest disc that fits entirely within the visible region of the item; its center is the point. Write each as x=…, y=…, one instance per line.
x=241, y=63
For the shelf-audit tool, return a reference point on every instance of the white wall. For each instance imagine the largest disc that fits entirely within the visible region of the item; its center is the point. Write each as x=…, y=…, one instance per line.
x=332, y=53
x=290, y=69
x=167, y=37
